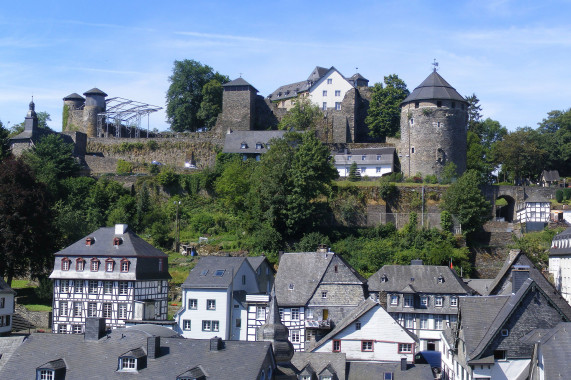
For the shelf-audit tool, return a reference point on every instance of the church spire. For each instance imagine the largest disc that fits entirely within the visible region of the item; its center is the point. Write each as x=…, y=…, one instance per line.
x=275, y=332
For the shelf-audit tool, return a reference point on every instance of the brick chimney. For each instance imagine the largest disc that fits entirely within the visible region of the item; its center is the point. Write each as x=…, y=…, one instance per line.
x=94, y=328
x=520, y=273
x=216, y=344
x=153, y=347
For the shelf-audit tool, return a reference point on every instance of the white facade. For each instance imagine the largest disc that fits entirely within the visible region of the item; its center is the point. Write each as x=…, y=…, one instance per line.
x=373, y=336
x=534, y=212
x=365, y=169
x=328, y=92
x=6, y=309
x=560, y=263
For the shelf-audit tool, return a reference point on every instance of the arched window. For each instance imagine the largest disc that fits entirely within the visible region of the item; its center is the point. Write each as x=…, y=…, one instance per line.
x=65, y=263
x=94, y=265
x=125, y=265
x=79, y=264
x=109, y=265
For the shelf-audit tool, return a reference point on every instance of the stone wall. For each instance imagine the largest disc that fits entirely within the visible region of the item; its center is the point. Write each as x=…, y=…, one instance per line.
x=40, y=319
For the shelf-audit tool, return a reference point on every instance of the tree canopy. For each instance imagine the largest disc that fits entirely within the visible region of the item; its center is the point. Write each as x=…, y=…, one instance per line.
x=186, y=94
x=383, y=118
x=555, y=131
x=302, y=116
x=4, y=142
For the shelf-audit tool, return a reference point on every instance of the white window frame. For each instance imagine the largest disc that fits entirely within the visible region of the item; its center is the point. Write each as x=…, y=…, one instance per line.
x=186, y=324
x=438, y=301
x=92, y=287
x=453, y=301
x=409, y=321
x=77, y=309
x=123, y=288
x=423, y=321
x=128, y=364
x=438, y=322
x=295, y=314
x=394, y=299
x=408, y=300
x=107, y=287
x=92, y=309
x=192, y=304
x=122, y=311
x=295, y=336
x=338, y=106
x=210, y=304
x=64, y=286
x=78, y=286
x=424, y=301
x=63, y=308
x=261, y=312
x=107, y=310
x=46, y=374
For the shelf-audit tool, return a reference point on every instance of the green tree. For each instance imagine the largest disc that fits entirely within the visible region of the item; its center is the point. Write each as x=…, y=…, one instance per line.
x=555, y=139
x=354, y=173
x=43, y=118
x=233, y=185
x=211, y=104
x=25, y=241
x=185, y=94
x=446, y=221
x=449, y=173
x=465, y=200
x=302, y=116
x=4, y=142
x=383, y=118
x=474, y=111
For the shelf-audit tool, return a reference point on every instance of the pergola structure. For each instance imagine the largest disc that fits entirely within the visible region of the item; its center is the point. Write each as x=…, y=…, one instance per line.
x=124, y=112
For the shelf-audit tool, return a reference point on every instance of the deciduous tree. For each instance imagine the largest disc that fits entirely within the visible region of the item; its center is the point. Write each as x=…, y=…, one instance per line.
x=383, y=117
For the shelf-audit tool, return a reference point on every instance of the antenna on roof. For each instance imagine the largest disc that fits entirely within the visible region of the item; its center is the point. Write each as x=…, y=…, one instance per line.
x=356, y=69
x=241, y=75
x=435, y=64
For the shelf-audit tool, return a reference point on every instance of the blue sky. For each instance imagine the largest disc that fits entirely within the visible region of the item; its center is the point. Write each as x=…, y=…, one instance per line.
x=514, y=55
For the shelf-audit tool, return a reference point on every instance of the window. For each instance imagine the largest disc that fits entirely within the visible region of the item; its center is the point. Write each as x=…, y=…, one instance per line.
x=46, y=374
x=409, y=321
x=192, y=303
x=64, y=286
x=323, y=294
x=405, y=348
x=505, y=332
x=215, y=325
x=349, y=158
x=78, y=286
x=77, y=307
x=63, y=308
x=337, y=92
x=329, y=80
x=294, y=336
x=94, y=265
x=77, y=329
x=358, y=325
x=65, y=263
x=123, y=287
x=2, y=302
x=128, y=364
x=160, y=265
x=378, y=169
x=438, y=301
x=109, y=264
x=439, y=103
x=211, y=304
x=440, y=279
x=124, y=266
x=324, y=92
x=366, y=345
x=238, y=322
x=261, y=312
x=92, y=309
x=408, y=300
x=324, y=106
x=500, y=354
x=258, y=145
x=122, y=310
x=416, y=104
x=62, y=329
x=384, y=278
x=453, y=104
x=412, y=150
x=388, y=376
x=453, y=318
x=336, y=268
x=424, y=301
x=243, y=146
x=454, y=301
x=336, y=345
x=107, y=287
x=281, y=310
x=79, y=265
x=295, y=314
x=107, y=308
x=92, y=287
x=337, y=106
x=424, y=321
x=219, y=273
x=411, y=121
x=394, y=299
x=438, y=322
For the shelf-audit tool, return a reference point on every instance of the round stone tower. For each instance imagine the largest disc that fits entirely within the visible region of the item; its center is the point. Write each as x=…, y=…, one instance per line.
x=434, y=120
x=72, y=112
x=94, y=104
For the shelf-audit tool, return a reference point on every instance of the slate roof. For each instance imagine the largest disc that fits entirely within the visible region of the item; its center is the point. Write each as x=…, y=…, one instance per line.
x=550, y=175
x=256, y=261
x=376, y=371
x=557, y=243
x=319, y=361
x=95, y=91
x=361, y=309
x=131, y=246
x=555, y=345
x=358, y=76
x=238, y=82
x=536, y=198
x=480, y=286
x=387, y=157
x=74, y=96
x=97, y=360
x=434, y=87
x=425, y=279
x=502, y=285
x=5, y=288
x=204, y=274
x=233, y=141
x=318, y=73
x=289, y=91
x=8, y=345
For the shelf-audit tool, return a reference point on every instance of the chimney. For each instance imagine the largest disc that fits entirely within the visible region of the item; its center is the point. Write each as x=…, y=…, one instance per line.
x=216, y=344
x=94, y=328
x=520, y=273
x=280, y=254
x=322, y=248
x=403, y=365
x=120, y=229
x=153, y=347
x=416, y=262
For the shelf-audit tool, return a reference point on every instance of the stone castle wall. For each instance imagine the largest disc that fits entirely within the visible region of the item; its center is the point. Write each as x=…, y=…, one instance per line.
x=432, y=136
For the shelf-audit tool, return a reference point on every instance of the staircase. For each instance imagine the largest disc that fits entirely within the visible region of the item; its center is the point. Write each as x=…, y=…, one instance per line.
x=19, y=323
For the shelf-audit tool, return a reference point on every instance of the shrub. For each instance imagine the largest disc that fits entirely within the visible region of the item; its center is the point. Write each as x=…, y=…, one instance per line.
x=446, y=221
x=393, y=177
x=567, y=193
x=430, y=178
x=449, y=173
x=124, y=167
x=167, y=177
x=152, y=145
x=559, y=195
x=387, y=190
x=44, y=290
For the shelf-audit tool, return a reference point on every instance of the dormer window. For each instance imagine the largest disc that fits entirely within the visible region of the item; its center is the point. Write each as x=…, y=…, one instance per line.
x=117, y=241
x=51, y=370
x=109, y=265
x=65, y=263
x=440, y=279
x=290, y=286
x=124, y=266
x=79, y=264
x=259, y=145
x=89, y=241
x=133, y=360
x=94, y=265
x=243, y=145
x=384, y=278
x=45, y=374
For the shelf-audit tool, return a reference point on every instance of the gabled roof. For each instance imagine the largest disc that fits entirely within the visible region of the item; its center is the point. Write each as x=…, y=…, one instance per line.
x=559, y=240
x=423, y=279
x=131, y=246
x=233, y=142
x=256, y=261
x=214, y=272
x=555, y=345
x=54, y=364
x=360, y=310
x=319, y=361
x=358, y=76
x=387, y=157
x=376, y=370
x=550, y=175
x=5, y=288
x=289, y=90
x=479, y=285
x=502, y=285
x=434, y=87
x=318, y=73
x=238, y=82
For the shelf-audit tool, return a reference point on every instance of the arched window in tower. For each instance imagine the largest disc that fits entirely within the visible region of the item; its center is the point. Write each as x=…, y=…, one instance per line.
x=412, y=150
x=440, y=156
x=439, y=103
x=411, y=121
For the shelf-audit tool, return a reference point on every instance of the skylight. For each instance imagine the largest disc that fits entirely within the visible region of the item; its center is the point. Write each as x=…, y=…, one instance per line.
x=219, y=273
x=204, y=272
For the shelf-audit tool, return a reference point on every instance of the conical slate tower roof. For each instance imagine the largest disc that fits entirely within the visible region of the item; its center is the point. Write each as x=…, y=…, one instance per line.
x=434, y=87
x=274, y=331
